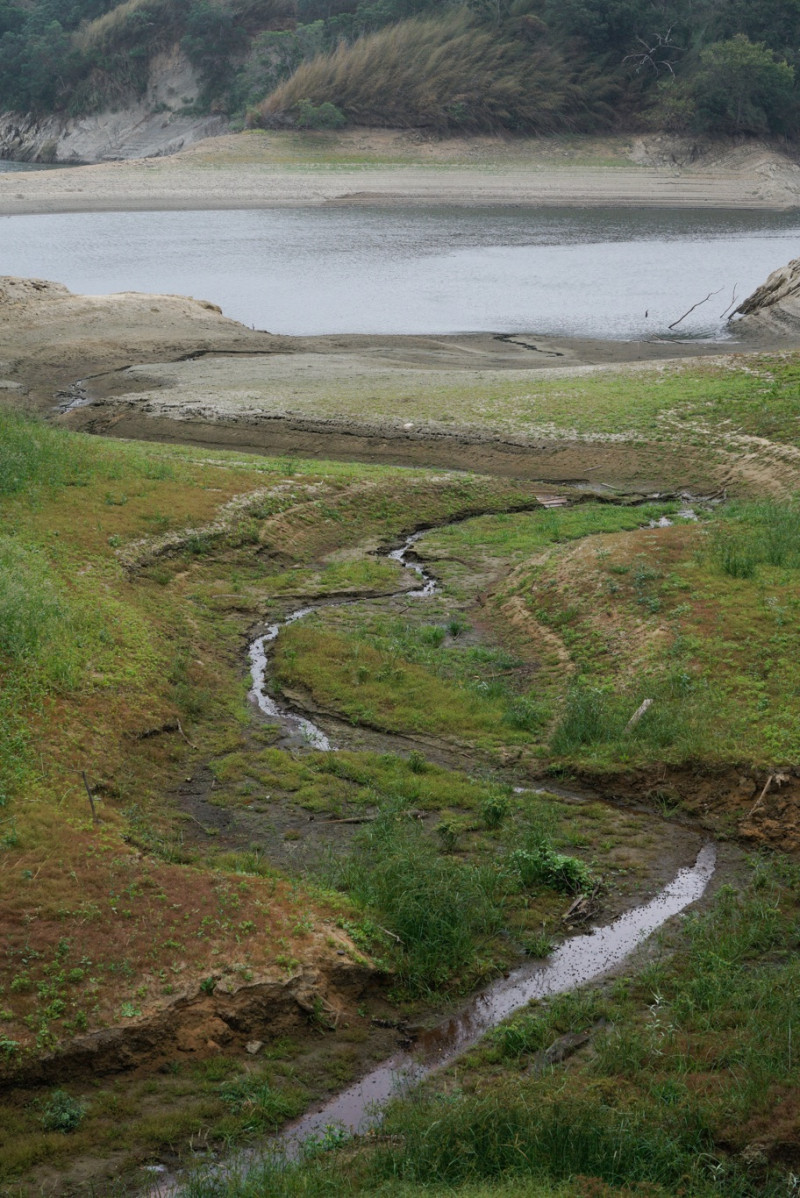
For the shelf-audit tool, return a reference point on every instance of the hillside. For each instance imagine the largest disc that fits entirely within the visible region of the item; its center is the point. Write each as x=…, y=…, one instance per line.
x=518, y=66
x=301, y=748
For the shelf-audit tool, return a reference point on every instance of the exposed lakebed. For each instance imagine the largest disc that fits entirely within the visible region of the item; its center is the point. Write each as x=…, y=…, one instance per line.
x=611, y=273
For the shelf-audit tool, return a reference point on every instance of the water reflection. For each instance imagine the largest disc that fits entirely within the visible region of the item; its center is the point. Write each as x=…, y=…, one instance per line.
x=610, y=273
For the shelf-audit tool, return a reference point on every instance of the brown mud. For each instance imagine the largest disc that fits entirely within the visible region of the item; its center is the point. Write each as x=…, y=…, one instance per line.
x=637, y=467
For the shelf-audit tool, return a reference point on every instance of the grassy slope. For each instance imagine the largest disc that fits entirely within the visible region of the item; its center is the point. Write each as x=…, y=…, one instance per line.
x=108, y=642
x=103, y=924
x=682, y=1081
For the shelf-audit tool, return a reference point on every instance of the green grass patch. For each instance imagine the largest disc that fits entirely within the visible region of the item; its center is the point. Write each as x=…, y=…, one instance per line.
x=441, y=911
x=689, y=1057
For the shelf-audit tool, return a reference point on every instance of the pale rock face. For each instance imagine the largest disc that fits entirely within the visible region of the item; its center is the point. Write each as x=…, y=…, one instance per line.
x=774, y=307
x=149, y=127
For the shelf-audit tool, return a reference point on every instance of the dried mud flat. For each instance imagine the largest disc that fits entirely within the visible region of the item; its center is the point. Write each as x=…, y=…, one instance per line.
x=265, y=170
x=175, y=369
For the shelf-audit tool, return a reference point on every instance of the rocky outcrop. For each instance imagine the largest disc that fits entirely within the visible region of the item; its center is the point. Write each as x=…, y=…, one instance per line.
x=774, y=307
x=158, y=123
x=134, y=132
x=50, y=337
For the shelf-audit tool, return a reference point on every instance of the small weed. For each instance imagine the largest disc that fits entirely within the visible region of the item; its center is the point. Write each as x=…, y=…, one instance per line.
x=494, y=809
x=417, y=762
x=457, y=627
x=261, y=1107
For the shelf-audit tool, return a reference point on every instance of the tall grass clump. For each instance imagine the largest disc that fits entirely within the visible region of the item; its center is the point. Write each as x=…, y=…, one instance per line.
x=32, y=454
x=442, y=73
x=31, y=610
x=595, y=717
x=438, y=907
x=508, y=1133
x=752, y=534
x=42, y=648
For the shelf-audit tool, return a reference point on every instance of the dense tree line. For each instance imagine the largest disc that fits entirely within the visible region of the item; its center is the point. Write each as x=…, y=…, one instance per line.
x=727, y=66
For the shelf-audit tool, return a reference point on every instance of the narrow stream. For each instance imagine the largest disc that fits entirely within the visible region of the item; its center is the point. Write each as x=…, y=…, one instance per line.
x=581, y=959
x=295, y=724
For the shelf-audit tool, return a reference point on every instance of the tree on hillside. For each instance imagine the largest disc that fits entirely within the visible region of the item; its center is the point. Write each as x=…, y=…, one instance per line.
x=743, y=87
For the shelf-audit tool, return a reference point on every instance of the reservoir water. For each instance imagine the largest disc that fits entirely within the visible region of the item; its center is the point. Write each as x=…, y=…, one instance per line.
x=596, y=272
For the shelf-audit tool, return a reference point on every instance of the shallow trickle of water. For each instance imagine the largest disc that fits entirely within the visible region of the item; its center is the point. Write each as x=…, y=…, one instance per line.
x=579, y=960
x=400, y=555
x=309, y=732
x=313, y=736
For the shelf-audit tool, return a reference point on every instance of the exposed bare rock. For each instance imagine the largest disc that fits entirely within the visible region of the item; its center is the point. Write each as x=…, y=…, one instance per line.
x=774, y=307
x=157, y=123
x=50, y=337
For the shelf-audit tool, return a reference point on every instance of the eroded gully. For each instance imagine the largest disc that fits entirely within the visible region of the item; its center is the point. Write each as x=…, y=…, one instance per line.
x=579, y=960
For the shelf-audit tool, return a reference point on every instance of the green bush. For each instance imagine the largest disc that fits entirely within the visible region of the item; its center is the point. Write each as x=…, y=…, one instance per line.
x=62, y=1112
x=438, y=907
x=322, y=116
x=543, y=866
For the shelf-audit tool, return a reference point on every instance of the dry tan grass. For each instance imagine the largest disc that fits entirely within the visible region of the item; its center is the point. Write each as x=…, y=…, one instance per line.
x=110, y=27
x=439, y=73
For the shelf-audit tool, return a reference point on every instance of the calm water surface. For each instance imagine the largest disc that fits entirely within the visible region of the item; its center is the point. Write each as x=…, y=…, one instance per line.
x=7, y=165
x=618, y=273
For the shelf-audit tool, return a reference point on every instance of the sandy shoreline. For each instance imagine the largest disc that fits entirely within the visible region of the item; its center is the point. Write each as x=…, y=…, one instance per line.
x=242, y=172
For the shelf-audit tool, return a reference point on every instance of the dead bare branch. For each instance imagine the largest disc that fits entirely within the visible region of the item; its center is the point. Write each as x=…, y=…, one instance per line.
x=710, y=295
x=190, y=743
x=637, y=715
x=734, y=298
x=762, y=796
x=95, y=819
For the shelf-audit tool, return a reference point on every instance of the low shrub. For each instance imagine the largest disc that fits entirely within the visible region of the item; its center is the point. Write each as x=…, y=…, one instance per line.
x=62, y=1112
x=543, y=866
x=321, y=116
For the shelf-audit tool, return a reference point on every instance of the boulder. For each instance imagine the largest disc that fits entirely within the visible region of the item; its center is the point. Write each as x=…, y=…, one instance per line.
x=774, y=307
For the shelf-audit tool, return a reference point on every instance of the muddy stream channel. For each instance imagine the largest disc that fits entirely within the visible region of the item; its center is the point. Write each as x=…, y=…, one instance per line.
x=580, y=959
